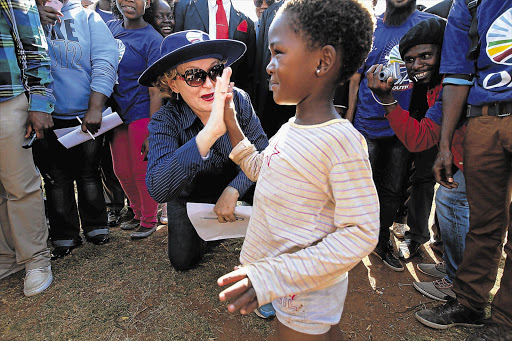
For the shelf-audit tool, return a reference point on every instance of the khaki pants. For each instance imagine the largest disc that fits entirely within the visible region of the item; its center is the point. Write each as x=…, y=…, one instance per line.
x=23, y=229
x=488, y=173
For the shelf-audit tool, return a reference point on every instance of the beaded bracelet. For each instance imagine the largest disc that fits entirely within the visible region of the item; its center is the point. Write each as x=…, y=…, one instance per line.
x=394, y=102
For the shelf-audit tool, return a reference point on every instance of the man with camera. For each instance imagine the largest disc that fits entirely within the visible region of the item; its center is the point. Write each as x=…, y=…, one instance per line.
x=420, y=48
x=388, y=156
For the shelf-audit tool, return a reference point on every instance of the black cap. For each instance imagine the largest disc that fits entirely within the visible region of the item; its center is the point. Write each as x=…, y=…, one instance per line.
x=429, y=31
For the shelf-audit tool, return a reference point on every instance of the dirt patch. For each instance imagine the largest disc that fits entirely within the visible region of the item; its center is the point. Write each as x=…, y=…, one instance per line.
x=126, y=290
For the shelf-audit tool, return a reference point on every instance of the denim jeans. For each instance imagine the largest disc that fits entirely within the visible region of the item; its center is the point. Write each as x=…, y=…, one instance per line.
x=389, y=161
x=60, y=168
x=453, y=215
x=185, y=247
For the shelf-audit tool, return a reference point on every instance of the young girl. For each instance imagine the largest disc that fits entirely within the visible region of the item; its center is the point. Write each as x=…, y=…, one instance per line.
x=139, y=46
x=316, y=211
x=160, y=15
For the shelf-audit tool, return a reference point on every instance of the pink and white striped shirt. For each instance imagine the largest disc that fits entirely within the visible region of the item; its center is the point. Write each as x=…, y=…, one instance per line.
x=316, y=210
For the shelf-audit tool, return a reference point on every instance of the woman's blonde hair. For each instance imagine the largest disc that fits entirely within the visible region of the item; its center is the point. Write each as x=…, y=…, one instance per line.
x=162, y=83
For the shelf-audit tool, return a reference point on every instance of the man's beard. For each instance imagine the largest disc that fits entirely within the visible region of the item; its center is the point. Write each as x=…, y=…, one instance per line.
x=397, y=15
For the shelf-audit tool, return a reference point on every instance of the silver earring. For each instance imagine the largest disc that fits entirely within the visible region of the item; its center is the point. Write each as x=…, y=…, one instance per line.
x=317, y=71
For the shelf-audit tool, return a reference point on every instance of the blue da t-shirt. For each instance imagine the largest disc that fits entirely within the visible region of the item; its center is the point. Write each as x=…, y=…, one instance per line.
x=369, y=116
x=138, y=48
x=493, y=82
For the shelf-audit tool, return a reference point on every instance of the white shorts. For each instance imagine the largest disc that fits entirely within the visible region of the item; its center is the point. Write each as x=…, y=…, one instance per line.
x=313, y=312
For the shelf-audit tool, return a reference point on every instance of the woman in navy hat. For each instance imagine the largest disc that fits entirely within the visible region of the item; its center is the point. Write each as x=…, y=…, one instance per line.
x=180, y=169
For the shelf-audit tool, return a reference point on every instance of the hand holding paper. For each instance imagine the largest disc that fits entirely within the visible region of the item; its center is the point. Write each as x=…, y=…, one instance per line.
x=70, y=137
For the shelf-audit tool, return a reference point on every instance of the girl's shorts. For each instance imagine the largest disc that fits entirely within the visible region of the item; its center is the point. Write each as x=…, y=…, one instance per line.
x=313, y=312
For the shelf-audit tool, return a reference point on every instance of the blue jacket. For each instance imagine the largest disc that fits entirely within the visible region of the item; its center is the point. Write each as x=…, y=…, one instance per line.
x=84, y=58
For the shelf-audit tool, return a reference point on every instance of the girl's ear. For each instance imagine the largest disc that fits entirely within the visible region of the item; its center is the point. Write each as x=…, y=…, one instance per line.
x=328, y=55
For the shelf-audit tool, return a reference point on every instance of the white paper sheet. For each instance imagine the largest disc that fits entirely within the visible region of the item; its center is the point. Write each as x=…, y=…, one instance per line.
x=208, y=227
x=70, y=137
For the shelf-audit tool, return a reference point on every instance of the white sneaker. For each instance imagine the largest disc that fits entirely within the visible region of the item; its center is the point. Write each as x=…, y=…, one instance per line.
x=163, y=216
x=400, y=229
x=37, y=280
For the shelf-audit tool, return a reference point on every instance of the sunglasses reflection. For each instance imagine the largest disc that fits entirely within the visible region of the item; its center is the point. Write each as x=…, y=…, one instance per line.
x=197, y=77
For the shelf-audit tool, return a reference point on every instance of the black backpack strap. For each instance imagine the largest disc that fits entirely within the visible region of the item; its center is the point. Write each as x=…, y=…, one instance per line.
x=474, y=51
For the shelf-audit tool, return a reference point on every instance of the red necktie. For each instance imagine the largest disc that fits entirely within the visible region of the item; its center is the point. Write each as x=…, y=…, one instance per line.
x=222, y=22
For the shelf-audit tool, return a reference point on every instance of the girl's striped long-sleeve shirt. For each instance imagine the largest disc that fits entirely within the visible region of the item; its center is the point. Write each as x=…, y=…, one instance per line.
x=316, y=210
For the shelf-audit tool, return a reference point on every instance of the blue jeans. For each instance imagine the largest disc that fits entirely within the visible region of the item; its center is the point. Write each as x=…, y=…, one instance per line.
x=61, y=168
x=453, y=215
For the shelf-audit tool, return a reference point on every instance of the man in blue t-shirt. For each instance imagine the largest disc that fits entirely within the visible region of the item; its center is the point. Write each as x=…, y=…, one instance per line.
x=486, y=82
x=388, y=156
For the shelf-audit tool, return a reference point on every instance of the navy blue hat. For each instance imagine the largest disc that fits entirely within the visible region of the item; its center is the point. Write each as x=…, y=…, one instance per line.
x=186, y=46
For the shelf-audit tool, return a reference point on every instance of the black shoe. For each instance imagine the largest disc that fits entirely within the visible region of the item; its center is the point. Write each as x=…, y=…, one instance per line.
x=114, y=216
x=62, y=251
x=450, y=314
x=491, y=331
x=126, y=214
x=408, y=249
x=130, y=225
x=142, y=232
x=99, y=239
x=388, y=258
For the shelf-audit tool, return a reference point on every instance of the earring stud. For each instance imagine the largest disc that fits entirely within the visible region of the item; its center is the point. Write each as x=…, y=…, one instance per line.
x=317, y=71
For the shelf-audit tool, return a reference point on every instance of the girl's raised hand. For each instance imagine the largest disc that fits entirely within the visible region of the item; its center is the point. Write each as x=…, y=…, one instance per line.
x=247, y=300
x=216, y=120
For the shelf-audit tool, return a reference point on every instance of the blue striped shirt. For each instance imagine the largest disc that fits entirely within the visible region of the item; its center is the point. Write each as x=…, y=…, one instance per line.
x=176, y=170
x=24, y=62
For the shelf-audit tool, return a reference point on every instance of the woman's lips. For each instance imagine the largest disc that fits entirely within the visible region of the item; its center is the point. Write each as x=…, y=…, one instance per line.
x=208, y=97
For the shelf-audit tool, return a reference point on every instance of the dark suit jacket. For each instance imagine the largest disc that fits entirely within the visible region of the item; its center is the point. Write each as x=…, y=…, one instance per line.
x=194, y=15
x=272, y=116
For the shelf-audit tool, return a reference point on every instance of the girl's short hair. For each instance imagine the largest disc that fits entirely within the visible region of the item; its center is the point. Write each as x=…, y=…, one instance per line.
x=347, y=25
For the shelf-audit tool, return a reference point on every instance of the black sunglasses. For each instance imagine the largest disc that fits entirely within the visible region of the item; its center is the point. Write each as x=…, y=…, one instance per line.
x=258, y=3
x=197, y=77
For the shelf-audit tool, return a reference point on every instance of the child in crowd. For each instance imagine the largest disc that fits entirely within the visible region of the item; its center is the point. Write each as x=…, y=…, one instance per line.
x=316, y=210
x=84, y=65
x=160, y=15
x=139, y=46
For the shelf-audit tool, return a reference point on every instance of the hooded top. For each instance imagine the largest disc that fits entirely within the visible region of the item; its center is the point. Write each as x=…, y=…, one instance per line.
x=84, y=58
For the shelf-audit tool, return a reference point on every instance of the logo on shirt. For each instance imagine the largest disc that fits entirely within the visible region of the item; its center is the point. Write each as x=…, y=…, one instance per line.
x=402, y=83
x=269, y=157
x=194, y=37
x=121, y=48
x=499, y=39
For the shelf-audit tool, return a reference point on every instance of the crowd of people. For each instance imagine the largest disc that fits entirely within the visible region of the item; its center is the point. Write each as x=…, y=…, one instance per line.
x=333, y=123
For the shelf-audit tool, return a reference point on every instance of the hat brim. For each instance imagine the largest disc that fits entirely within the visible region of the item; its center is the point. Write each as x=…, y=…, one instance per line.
x=230, y=50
